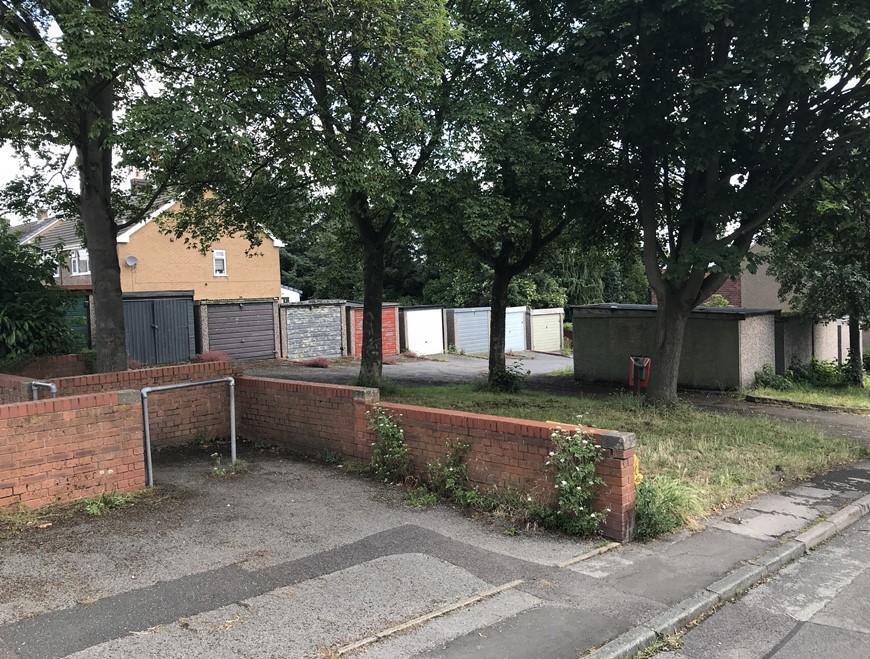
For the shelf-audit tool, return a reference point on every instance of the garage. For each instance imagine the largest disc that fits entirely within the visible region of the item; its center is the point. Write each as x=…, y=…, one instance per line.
x=315, y=328
x=389, y=329
x=421, y=330
x=515, y=335
x=244, y=329
x=468, y=330
x=546, y=329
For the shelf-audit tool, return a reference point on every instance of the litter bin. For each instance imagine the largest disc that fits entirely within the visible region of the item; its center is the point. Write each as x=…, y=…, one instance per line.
x=638, y=372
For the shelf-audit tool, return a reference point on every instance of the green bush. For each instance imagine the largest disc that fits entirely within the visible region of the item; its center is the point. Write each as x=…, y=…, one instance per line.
x=32, y=308
x=448, y=476
x=664, y=504
x=574, y=457
x=818, y=374
x=508, y=380
x=767, y=377
x=391, y=461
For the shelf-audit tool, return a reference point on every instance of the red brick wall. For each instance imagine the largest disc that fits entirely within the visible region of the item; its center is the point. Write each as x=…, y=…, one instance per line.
x=731, y=290
x=14, y=389
x=176, y=416
x=54, y=366
x=389, y=331
x=505, y=452
x=69, y=448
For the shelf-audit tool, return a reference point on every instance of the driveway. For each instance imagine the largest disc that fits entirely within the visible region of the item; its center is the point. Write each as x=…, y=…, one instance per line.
x=438, y=369
x=279, y=562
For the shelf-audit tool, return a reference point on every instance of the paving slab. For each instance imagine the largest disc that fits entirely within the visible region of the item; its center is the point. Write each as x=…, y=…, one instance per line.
x=784, y=505
x=522, y=636
x=814, y=641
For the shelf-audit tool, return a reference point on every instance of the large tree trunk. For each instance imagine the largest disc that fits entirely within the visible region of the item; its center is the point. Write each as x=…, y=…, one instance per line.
x=498, y=304
x=856, y=367
x=95, y=206
x=671, y=319
x=371, y=363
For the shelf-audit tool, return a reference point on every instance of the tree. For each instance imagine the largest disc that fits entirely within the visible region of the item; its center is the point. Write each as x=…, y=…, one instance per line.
x=721, y=112
x=32, y=308
x=66, y=69
x=333, y=112
x=518, y=185
x=819, y=250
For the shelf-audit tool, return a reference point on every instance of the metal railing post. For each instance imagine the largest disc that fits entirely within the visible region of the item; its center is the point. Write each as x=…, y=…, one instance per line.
x=149, y=471
x=34, y=388
x=232, y=420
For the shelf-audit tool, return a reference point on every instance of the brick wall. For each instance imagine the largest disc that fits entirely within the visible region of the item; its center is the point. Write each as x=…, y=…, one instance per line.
x=505, y=452
x=69, y=448
x=14, y=389
x=176, y=416
x=731, y=290
x=54, y=366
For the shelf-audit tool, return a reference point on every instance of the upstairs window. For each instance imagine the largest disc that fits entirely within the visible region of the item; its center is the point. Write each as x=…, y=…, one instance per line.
x=220, y=263
x=80, y=264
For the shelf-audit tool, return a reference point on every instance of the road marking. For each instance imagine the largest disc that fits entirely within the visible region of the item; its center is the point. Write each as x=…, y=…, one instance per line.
x=390, y=631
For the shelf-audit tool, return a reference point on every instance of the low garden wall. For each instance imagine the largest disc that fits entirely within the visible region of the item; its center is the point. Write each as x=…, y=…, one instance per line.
x=504, y=452
x=70, y=448
x=176, y=416
x=90, y=438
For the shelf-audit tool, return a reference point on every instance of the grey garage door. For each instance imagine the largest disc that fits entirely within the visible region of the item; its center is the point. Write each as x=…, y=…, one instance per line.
x=159, y=328
x=243, y=330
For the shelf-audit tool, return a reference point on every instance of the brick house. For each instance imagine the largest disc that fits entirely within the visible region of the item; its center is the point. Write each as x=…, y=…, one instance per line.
x=154, y=261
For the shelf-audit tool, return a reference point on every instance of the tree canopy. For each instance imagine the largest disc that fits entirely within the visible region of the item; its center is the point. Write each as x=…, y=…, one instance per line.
x=32, y=308
x=722, y=112
x=819, y=250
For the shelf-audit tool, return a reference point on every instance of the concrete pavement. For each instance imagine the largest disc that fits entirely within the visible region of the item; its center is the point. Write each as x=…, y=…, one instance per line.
x=816, y=607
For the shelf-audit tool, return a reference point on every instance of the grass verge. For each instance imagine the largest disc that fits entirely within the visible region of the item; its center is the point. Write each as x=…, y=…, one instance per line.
x=856, y=397
x=727, y=459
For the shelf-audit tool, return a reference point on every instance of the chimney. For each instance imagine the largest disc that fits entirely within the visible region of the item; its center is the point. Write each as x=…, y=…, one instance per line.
x=41, y=214
x=138, y=181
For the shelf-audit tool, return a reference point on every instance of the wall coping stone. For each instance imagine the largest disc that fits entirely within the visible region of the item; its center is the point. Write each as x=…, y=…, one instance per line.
x=616, y=440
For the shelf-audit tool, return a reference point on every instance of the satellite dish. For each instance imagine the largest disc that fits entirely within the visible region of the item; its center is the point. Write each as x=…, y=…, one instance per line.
x=132, y=261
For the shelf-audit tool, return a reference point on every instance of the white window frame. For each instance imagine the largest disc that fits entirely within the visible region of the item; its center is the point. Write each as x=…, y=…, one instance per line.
x=222, y=255
x=79, y=255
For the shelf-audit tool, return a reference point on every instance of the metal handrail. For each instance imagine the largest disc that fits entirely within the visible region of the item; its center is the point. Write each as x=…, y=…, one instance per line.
x=149, y=471
x=36, y=384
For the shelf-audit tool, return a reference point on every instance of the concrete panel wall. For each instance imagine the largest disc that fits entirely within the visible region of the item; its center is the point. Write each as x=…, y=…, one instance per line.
x=757, y=346
x=826, y=342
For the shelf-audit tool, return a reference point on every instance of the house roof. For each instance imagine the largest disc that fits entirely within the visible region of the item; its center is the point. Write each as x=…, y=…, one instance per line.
x=63, y=233
x=648, y=309
x=124, y=237
x=29, y=230
x=55, y=231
